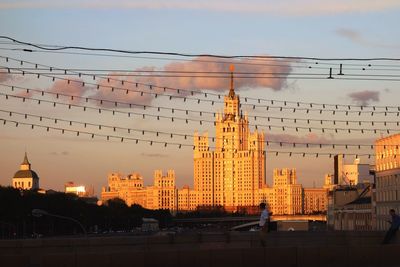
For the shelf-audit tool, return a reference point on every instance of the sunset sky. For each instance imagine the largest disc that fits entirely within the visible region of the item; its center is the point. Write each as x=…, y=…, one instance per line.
x=338, y=29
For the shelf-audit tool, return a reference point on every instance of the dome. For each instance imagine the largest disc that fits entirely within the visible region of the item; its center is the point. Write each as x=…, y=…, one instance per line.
x=26, y=174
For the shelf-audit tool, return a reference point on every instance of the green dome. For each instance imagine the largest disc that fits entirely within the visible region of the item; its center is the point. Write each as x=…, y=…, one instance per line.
x=26, y=174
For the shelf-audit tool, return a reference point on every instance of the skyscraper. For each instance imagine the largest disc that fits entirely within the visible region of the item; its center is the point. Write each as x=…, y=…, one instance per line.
x=233, y=173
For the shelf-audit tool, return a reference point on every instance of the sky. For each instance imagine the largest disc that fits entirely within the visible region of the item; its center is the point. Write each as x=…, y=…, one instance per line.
x=339, y=29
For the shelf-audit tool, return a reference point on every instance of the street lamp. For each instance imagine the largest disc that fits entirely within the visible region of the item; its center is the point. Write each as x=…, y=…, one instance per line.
x=39, y=213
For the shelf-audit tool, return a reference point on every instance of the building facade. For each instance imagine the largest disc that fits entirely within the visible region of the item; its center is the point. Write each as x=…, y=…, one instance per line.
x=25, y=178
x=315, y=200
x=234, y=172
x=287, y=198
x=79, y=190
x=387, y=164
x=129, y=188
x=161, y=195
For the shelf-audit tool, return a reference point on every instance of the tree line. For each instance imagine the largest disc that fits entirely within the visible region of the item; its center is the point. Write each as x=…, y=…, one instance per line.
x=17, y=221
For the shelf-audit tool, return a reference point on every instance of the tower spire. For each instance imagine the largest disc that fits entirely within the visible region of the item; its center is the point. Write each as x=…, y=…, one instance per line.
x=231, y=90
x=26, y=161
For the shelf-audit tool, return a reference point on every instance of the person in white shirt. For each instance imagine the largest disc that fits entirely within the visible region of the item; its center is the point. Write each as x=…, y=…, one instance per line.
x=264, y=223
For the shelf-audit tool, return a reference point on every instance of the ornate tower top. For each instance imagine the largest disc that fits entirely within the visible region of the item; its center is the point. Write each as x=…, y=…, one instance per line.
x=25, y=165
x=232, y=90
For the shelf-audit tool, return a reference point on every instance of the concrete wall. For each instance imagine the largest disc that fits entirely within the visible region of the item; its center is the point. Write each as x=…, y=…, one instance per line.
x=223, y=249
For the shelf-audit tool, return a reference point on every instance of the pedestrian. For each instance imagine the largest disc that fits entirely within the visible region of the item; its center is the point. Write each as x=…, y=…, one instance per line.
x=264, y=223
x=394, y=226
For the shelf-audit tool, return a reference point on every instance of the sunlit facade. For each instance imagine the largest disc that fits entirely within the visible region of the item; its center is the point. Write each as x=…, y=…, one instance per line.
x=287, y=193
x=233, y=173
x=161, y=195
x=79, y=190
x=315, y=200
x=387, y=163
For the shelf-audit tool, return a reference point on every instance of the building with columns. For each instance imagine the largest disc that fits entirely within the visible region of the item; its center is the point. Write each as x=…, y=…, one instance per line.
x=25, y=178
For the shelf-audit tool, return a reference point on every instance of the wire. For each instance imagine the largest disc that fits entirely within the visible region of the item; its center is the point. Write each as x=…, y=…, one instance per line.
x=305, y=63
x=194, y=55
x=192, y=92
x=200, y=112
x=179, y=145
x=172, y=118
x=172, y=134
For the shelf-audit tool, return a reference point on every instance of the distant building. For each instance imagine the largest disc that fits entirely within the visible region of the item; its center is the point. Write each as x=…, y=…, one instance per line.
x=329, y=182
x=287, y=193
x=352, y=208
x=25, y=178
x=387, y=164
x=232, y=174
x=79, y=190
x=187, y=199
x=287, y=197
x=315, y=200
x=351, y=174
x=161, y=195
x=129, y=188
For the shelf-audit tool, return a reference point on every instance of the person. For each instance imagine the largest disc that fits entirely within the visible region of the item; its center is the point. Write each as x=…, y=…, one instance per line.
x=394, y=226
x=264, y=223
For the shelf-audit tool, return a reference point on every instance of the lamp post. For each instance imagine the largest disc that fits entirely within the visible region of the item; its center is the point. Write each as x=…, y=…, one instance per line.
x=40, y=213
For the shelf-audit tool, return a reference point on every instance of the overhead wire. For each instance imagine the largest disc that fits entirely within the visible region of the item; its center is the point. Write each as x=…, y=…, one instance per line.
x=193, y=54
x=166, y=143
x=201, y=121
x=191, y=111
x=174, y=134
x=336, y=107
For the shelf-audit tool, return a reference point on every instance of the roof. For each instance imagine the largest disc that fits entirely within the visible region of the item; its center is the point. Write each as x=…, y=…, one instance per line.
x=26, y=174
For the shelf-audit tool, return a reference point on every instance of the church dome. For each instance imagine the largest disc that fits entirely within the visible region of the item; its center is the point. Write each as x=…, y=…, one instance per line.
x=26, y=174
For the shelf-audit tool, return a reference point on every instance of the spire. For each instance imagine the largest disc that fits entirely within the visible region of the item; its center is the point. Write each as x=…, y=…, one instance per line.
x=231, y=90
x=26, y=161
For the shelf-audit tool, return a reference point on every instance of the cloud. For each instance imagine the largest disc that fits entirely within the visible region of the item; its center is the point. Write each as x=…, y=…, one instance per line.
x=4, y=76
x=358, y=38
x=274, y=78
x=311, y=138
x=283, y=8
x=105, y=91
x=154, y=155
x=364, y=97
x=25, y=94
x=74, y=87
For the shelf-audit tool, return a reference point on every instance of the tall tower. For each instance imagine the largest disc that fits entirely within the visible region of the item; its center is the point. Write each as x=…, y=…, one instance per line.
x=25, y=178
x=231, y=175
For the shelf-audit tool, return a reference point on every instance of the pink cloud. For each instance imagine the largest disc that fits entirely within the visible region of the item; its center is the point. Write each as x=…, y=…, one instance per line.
x=364, y=97
x=74, y=87
x=4, y=76
x=206, y=64
x=196, y=81
x=105, y=91
x=311, y=138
